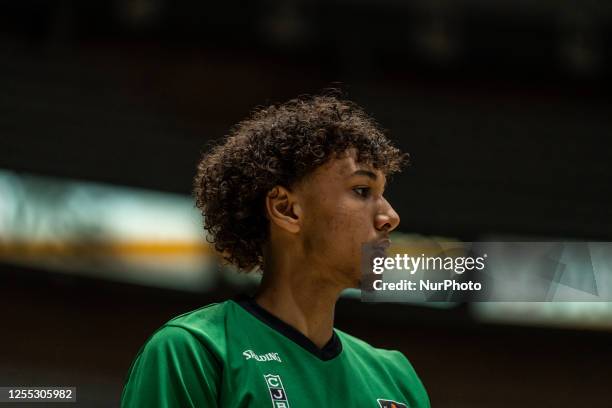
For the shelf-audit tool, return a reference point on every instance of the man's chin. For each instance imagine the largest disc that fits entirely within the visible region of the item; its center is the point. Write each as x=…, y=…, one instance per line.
x=366, y=282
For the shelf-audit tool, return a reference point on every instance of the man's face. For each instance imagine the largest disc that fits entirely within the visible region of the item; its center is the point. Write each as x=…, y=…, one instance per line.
x=344, y=208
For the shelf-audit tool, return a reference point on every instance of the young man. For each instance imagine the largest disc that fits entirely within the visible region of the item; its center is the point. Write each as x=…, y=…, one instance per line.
x=294, y=191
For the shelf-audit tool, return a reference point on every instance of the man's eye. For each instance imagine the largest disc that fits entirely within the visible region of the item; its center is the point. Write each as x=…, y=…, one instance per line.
x=362, y=191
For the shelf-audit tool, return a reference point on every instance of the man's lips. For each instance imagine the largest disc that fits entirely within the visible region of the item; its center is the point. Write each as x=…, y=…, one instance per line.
x=379, y=248
x=383, y=244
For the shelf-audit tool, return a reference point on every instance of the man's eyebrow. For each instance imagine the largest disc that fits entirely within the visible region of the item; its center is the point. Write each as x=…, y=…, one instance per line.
x=366, y=173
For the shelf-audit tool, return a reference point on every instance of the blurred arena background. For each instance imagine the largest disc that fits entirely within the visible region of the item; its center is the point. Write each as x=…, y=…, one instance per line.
x=105, y=105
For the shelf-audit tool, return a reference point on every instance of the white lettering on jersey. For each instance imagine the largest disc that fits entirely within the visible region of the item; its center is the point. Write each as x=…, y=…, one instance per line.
x=250, y=354
x=277, y=391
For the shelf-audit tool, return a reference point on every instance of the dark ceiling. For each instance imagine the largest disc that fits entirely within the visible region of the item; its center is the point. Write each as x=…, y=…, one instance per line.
x=504, y=110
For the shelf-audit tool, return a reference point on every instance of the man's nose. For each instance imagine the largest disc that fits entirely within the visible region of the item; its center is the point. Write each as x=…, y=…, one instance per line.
x=387, y=219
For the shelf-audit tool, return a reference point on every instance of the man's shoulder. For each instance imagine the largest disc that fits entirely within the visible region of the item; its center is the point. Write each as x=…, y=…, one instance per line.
x=185, y=347
x=391, y=363
x=201, y=328
x=204, y=316
x=361, y=345
x=204, y=323
x=362, y=349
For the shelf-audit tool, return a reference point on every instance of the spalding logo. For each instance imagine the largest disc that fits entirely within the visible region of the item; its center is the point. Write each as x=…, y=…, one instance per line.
x=250, y=354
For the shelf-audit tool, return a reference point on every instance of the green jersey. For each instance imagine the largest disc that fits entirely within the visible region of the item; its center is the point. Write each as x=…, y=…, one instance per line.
x=237, y=354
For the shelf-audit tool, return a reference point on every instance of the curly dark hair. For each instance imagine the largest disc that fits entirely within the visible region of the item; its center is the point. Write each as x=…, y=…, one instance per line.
x=279, y=145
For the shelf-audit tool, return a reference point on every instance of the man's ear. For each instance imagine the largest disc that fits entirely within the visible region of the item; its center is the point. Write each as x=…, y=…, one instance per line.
x=283, y=209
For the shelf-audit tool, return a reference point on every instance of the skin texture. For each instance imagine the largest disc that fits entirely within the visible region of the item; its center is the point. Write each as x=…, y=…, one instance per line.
x=316, y=234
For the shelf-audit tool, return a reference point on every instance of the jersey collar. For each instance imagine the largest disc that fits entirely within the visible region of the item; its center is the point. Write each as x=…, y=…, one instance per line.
x=329, y=351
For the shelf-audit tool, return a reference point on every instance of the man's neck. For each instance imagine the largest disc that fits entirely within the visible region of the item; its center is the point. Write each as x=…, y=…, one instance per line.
x=307, y=306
